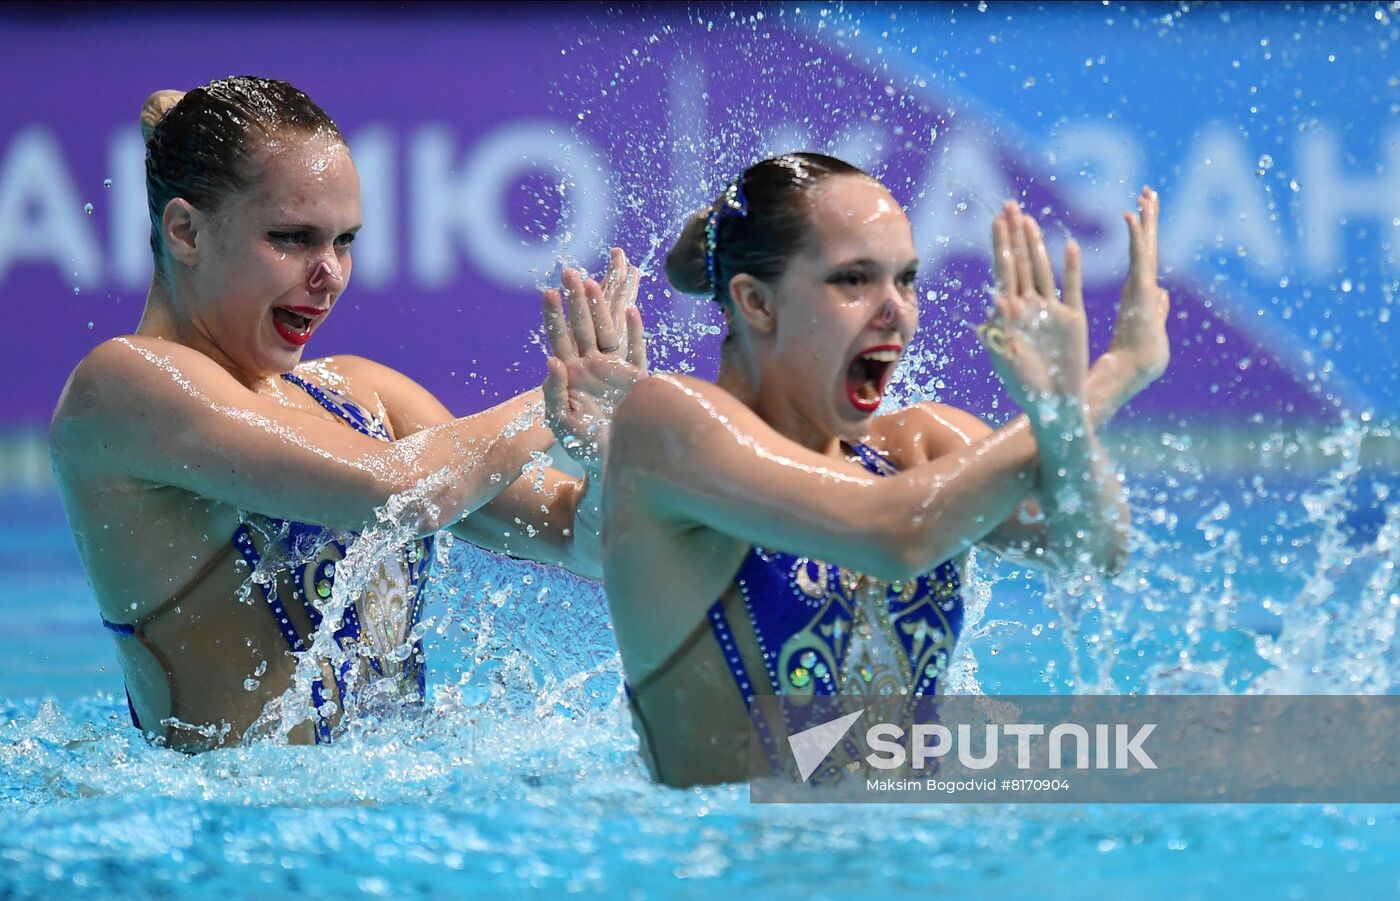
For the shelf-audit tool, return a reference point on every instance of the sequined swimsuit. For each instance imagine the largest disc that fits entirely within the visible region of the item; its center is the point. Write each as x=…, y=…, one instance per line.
x=316, y=550
x=822, y=630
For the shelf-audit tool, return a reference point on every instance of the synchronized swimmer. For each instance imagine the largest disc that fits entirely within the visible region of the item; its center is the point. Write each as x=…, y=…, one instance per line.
x=764, y=534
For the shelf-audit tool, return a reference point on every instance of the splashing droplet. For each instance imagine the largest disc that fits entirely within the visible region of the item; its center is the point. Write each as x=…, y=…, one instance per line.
x=87, y=208
x=106, y=182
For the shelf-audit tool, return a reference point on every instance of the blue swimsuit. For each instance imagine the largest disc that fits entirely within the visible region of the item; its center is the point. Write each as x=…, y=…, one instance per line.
x=302, y=541
x=822, y=630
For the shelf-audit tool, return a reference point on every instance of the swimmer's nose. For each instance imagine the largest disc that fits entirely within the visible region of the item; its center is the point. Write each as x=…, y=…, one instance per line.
x=325, y=277
x=888, y=314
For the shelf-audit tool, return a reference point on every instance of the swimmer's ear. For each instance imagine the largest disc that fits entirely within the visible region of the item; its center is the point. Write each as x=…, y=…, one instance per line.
x=753, y=302
x=179, y=229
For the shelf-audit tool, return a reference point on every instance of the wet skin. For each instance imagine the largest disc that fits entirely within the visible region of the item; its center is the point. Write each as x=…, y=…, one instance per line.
x=701, y=472
x=164, y=439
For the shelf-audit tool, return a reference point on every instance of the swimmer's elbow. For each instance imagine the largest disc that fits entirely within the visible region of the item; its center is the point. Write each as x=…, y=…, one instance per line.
x=901, y=553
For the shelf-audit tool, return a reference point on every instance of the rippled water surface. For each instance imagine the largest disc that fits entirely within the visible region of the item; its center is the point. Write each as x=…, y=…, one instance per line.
x=523, y=771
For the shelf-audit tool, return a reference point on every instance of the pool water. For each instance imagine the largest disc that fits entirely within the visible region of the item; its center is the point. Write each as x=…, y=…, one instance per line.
x=522, y=774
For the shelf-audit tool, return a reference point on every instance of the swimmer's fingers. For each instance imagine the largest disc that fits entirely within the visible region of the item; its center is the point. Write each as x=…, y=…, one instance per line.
x=1020, y=251
x=617, y=284
x=1137, y=264
x=580, y=313
x=613, y=282
x=1074, y=276
x=1043, y=275
x=636, y=339
x=556, y=387
x=1003, y=266
x=556, y=328
x=605, y=331
x=634, y=284
x=1151, y=206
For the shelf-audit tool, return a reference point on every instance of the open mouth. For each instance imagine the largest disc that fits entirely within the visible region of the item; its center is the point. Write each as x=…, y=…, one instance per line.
x=868, y=375
x=292, y=326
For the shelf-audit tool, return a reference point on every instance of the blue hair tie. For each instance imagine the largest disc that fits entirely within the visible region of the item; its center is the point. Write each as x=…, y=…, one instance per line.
x=731, y=203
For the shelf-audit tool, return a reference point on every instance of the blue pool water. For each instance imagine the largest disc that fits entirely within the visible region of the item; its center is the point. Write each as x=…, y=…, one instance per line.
x=523, y=774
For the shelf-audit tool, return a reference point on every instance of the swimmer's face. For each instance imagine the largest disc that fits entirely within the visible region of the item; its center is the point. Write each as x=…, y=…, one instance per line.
x=274, y=259
x=845, y=307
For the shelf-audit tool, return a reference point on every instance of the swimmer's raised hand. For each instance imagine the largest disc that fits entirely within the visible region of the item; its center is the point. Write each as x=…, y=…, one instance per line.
x=597, y=353
x=1038, y=342
x=1140, y=332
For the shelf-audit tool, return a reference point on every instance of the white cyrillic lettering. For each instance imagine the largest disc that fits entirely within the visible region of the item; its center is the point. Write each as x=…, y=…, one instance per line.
x=41, y=212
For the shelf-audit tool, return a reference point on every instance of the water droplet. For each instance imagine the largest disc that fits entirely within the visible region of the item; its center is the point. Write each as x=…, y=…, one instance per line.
x=87, y=208
x=106, y=182
x=75, y=289
x=1346, y=286
x=89, y=325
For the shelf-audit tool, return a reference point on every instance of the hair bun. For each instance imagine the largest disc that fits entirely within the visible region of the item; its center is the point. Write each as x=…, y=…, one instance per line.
x=155, y=108
x=685, y=264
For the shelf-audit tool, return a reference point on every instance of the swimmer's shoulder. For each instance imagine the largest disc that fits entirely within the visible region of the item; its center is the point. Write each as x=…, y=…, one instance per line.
x=667, y=400
x=127, y=369
x=672, y=420
x=386, y=392
x=126, y=385
x=925, y=431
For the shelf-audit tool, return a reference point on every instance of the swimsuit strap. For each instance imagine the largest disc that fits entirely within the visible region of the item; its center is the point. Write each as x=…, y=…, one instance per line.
x=342, y=407
x=137, y=629
x=719, y=625
x=650, y=678
x=875, y=461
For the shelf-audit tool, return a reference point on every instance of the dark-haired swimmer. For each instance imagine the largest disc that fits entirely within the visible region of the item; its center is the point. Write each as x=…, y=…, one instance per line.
x=214, y=480
x=768, y=534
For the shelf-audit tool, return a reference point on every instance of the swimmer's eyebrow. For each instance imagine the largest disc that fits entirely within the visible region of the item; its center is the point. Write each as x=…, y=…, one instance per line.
x=867, y=263
x=313, y=229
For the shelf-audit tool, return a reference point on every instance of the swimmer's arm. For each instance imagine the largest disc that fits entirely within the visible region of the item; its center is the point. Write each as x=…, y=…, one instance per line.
x=694, y=457
x=161, y=414
x=544, y=514
x=1023, y=536
x=547, y=516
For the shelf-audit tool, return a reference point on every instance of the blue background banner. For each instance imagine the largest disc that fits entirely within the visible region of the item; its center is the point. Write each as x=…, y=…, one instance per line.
x=493, y=142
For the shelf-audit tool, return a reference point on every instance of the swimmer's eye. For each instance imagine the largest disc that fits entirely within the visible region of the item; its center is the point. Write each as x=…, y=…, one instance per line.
x=852, y=279
x=908, y=278
x=291, y=239
x=345, y=240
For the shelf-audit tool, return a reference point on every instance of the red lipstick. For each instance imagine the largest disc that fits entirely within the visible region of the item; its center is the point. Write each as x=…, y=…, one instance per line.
x=294, y=324
x=868, y=373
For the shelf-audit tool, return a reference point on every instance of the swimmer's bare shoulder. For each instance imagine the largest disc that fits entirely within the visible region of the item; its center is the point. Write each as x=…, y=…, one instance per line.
x=125, y=385
x=670, y=398
x=925, y=431
x=668, y=417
